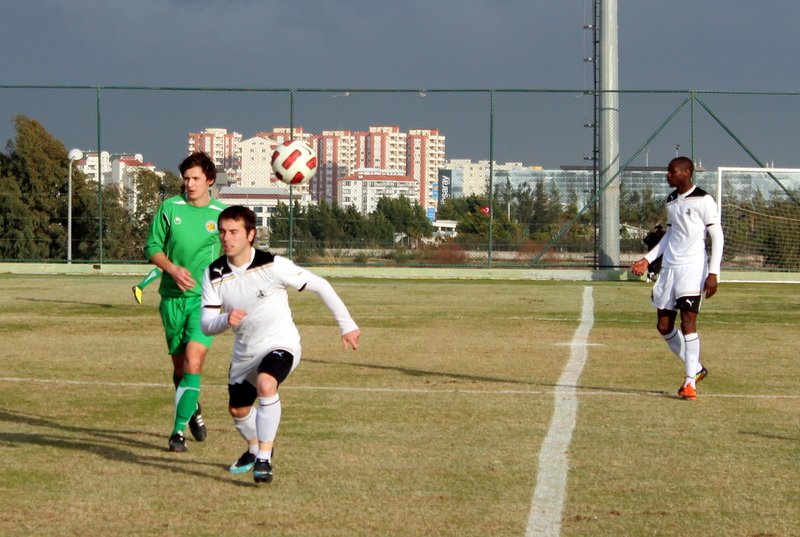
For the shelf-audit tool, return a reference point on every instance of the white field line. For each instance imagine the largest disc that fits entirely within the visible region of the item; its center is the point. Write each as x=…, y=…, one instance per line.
x=551, y=481
x=422, y=391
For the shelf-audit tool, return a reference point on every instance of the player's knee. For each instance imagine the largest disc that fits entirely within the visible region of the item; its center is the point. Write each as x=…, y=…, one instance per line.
x=273, y=369
x=267, y=385
x=664, y=327
x=239, y=412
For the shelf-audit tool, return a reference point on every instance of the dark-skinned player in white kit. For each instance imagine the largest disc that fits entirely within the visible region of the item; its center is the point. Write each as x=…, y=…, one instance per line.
x=686, y=273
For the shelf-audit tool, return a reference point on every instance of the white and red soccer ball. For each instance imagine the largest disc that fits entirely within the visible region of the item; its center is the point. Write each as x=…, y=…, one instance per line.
x=294, y=162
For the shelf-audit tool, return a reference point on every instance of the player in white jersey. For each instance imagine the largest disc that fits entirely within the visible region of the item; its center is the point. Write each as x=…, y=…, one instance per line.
x=246, y=290
x=686, y=274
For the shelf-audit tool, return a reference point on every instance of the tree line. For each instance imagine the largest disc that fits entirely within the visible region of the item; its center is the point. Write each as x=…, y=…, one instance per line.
x=34, y=190
x=34, y=177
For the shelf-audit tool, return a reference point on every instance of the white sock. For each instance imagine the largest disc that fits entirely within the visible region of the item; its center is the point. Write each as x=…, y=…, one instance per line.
x=247, y=428
x=268, y=417
x=247, y=425
x=676, y=344
x=692, y=366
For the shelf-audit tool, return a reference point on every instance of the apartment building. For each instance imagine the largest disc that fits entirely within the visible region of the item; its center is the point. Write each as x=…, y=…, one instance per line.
x=262, y=200
x=124, y=170
x=425, y=155
x=222, y=146
x=363, y=189
x=90, y=165
x=256, y=156
x=336, y=157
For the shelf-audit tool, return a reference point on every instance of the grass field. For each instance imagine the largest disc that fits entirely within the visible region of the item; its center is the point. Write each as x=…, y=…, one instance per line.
x=433, y=427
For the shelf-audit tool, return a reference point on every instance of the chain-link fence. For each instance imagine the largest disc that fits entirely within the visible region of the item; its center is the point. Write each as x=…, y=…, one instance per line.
x=536, y=203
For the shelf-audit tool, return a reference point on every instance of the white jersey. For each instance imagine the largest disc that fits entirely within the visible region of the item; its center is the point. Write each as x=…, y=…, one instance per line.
x=689, y=216
x=260, y=288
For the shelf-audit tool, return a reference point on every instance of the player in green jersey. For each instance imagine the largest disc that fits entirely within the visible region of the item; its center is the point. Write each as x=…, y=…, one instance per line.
x=183, y=240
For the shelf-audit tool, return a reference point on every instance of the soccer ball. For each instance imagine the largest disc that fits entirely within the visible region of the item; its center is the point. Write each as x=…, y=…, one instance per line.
x=294, y=162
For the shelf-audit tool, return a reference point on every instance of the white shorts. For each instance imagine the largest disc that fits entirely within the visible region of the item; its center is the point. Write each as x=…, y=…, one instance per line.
x=676, y=282
x=247, y=369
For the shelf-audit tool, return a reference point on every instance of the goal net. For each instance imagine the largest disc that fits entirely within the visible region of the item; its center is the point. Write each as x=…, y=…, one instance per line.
x=760, y=210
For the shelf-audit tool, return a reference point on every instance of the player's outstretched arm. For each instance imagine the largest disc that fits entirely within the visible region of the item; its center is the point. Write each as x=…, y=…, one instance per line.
x=350, y=339
x=325, y=292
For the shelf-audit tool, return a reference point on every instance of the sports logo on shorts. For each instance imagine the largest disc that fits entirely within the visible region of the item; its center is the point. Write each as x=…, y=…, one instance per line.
x=211, y=226
x=261, y=294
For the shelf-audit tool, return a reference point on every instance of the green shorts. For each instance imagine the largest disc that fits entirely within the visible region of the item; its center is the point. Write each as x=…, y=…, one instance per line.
x=181, y=319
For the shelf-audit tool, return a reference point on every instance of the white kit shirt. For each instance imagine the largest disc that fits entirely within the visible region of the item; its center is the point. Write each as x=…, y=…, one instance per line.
x=689, y=216
x=260, y=288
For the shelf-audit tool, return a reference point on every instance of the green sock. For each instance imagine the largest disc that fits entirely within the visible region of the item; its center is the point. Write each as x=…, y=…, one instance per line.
x=151, y=276
x=186, y=397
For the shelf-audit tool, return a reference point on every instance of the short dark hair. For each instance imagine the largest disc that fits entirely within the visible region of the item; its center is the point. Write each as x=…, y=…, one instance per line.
x=201, y=159
x=239, y=213
x=684, y=162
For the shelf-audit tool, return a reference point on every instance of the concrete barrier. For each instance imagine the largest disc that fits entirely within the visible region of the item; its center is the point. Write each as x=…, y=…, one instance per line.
x=403, y=272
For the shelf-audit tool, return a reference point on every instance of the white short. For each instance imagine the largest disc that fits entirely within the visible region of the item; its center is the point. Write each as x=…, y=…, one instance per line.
x=247, y=369
x=676, y=282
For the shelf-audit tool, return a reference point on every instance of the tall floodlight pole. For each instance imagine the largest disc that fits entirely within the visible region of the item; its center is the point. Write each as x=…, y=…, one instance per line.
x=73, y=155
x=609, y=135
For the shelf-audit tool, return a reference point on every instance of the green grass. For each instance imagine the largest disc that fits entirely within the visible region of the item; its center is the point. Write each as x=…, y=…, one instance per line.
x=432, y=428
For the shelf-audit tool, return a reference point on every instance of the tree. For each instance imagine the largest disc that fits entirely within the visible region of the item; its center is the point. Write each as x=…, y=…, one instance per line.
x=379, y=229
x=151, y=191
x=38, y=162
x=406, y=217
x=324, y=225
x=17, y=236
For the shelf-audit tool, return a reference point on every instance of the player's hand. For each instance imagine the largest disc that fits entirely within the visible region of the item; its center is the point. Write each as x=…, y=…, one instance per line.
x=639, y=267
x=351, y=339
x=711, y=285
x=235, y=317
x=183, y=278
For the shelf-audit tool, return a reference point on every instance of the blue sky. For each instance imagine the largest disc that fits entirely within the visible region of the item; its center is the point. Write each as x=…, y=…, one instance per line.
x=434, y=44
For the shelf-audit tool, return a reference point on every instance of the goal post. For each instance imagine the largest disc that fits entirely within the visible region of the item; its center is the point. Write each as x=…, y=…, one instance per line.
x=760, y=211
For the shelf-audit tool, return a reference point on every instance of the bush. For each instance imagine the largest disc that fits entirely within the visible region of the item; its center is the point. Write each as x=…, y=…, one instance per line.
x=403, y=255
x=445, y=254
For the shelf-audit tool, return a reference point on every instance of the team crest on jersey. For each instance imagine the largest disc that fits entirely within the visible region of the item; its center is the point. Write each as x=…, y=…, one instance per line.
x=177, y=220
x=211, y=226
x=261, y=294
x=689, y=211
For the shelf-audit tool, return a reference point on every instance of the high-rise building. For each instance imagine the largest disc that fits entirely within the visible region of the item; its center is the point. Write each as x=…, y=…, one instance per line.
x=222, y=146
x=425, y=154
x=419, y=154
x=124, y=172
x=364, y=188
x=90, y=165
x=335, y=158
x=382, y=147
x=256, y=156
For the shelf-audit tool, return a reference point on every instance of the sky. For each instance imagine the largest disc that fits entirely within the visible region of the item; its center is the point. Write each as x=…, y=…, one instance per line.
x=388, y=44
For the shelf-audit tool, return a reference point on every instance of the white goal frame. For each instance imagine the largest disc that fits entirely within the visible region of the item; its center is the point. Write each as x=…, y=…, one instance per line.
x=724, y=169
x=720, y=171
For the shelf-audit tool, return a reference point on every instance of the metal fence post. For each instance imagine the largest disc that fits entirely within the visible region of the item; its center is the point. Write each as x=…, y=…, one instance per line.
x=99, y=180
x=491, y=177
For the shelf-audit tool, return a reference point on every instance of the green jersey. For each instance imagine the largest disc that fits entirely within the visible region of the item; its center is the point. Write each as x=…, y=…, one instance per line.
x=188, y=236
